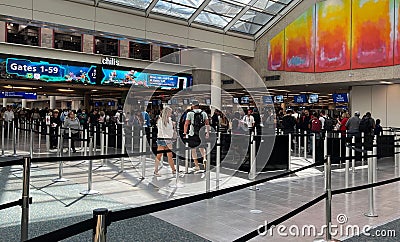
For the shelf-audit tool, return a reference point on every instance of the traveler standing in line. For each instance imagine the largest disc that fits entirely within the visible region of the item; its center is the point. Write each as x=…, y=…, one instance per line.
x=195, y=120
x=8, y=118
x=288, y=122
x=322, y=119
x=353, y=125
x=248, y=121
x=378, y=130
x=55, y=124
x=345, y=118
x=71, y=121
x=165, y=134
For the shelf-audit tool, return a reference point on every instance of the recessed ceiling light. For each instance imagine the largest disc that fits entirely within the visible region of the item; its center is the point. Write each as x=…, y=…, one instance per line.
x=65, y=90
x=385, y=82
x=40, y=87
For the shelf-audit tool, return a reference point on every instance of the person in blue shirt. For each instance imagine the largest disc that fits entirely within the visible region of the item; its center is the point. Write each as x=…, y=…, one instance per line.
x=146, y=119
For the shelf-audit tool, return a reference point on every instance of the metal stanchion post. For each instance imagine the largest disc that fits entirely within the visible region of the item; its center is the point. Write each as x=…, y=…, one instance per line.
x=141, y=160
x=314, y=147
x=340, y=148
x=208, y=175
x=132, y=140
x=122, y=148
x=100, y=225
x=94, y=139
x=2, y=139
x=85, y=142
x=328, y=200
x=187, y=158
x=299, y=143
x=218, y=162
x=253, y=163
x=89, y=191
x=375, y=158
x=102, y=146
x=347, y=168
x=25, y=199
x=106, y=148
x=39, y=134
x=371, y=212
x=290, y=152
x=116, y=137
x=325, y=145
x=362, y=147
x=47, y=138
x=14, y=140
x=353, y=154
x=69, y=141
x=31, y=143
x=59, y=144
x=8, y=129
x=305, y=144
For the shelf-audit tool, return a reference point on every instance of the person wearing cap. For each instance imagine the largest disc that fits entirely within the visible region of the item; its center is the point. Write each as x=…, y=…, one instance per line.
x=55, y=124
x=195, y=140
x=353, y=125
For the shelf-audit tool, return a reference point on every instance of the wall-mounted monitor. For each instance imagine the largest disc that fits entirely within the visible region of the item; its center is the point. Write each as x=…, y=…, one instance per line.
x=268, y=99
x=300, y=99
x=340, y=98
x=19, y=95
x=208, y=101
x=98, y=104
x=111, y=103
x=185, y=101
x=235, y=100
x=313, y=98
x=244, y=100
x=278, y=99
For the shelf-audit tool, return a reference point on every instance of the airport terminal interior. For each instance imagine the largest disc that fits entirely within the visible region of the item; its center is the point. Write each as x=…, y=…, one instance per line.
x=200, y=120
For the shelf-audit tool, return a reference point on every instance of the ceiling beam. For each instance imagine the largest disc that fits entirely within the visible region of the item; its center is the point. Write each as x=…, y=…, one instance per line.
x=150, y=7
x=239, y=15
x=198, y=11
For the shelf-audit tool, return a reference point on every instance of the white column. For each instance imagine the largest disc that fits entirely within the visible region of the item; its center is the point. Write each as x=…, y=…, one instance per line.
x=23, y=103
x=4, y=102
x=75, y=104
x=216, y=81
x=52, y=102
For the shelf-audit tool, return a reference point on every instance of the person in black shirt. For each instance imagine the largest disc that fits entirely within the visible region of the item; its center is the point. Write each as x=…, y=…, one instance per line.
x=288, y=122
x=55, y=124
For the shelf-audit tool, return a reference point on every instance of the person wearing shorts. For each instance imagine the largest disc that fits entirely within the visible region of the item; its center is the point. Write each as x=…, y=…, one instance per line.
x=165, y=136
x=194, y=140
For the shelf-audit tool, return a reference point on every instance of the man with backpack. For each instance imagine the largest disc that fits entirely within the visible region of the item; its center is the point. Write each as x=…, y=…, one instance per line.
x=195, y=121
x=367, y=124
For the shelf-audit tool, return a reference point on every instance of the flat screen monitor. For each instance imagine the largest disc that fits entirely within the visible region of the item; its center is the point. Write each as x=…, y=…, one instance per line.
x=340, y=98
x=313, y=98
x=185, y=101
x=98, y=104
x=235, y=100
x=268, y=100
x=208, y=101
x=111, y=103
x=278, y=99
x=300, y=99
x=244, y=100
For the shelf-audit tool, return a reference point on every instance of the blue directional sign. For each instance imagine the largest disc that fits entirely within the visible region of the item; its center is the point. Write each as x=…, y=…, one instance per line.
x=20, y=95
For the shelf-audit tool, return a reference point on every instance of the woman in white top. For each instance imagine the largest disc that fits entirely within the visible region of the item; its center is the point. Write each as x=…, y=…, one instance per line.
x=165, y=127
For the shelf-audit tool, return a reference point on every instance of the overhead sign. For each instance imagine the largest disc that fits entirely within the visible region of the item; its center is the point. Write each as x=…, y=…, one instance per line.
x=268, y=100
x=163, y=81
x=340, y=98
x=300, y=99
x=20, y=95
x=46, y=71
x=111, y=61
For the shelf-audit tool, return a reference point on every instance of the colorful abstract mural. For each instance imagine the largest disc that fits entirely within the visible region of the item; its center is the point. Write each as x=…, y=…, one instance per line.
x=299, y=43
x=372, y=33
x=333, y=31
x=276, y=52
x=397, y=33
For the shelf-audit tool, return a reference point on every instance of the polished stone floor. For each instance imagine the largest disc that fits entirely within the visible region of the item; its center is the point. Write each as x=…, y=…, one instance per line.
x=222, y=218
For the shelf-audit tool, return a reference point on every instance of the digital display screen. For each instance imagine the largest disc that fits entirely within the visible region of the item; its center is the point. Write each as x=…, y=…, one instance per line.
x=20, y=95
x=278, y=99
x=185, y=101
x=111, y=103
x=313, y=98
x=120, y=77
x=235, y=100
x=208, y=101
x=98, y=104
x=300, y=99
x=268, y=100
x=340, y=98
x=163, y=81
x=244, y=100
x=45, y=71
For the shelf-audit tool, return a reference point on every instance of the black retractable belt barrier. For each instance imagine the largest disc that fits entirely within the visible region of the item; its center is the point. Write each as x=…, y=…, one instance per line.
x=11, y=163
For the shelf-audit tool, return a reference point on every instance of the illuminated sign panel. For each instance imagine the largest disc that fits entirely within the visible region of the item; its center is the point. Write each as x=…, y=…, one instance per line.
x=21, y=95
x=163, y=81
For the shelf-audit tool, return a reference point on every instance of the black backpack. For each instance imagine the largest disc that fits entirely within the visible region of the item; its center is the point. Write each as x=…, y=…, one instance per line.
x=365, y=125
x=328, y=124
x=198, y=122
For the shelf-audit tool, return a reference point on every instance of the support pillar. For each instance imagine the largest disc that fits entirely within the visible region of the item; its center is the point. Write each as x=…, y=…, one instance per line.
x=4, y=102
x=52, y=102
x=215, y=81
x=23, y=103
x=86, y=99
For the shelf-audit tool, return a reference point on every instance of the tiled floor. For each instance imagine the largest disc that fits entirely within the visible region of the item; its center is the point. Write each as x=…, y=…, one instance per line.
x=223, y=218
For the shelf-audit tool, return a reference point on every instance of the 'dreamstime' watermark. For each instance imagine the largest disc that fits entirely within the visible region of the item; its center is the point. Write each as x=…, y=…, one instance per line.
x=341, y=229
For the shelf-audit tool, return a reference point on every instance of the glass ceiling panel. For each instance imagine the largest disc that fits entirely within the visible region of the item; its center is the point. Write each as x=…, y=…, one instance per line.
x=223, y=8
x=238, y=2
x=256, y=17
x=173, y=9
x=247, y=28
x=141, y=4
x=213, y=19
x=269, y=6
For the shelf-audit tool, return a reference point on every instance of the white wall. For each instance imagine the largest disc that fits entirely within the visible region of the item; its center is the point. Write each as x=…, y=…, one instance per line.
x=126, y=22
x=383, y=101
